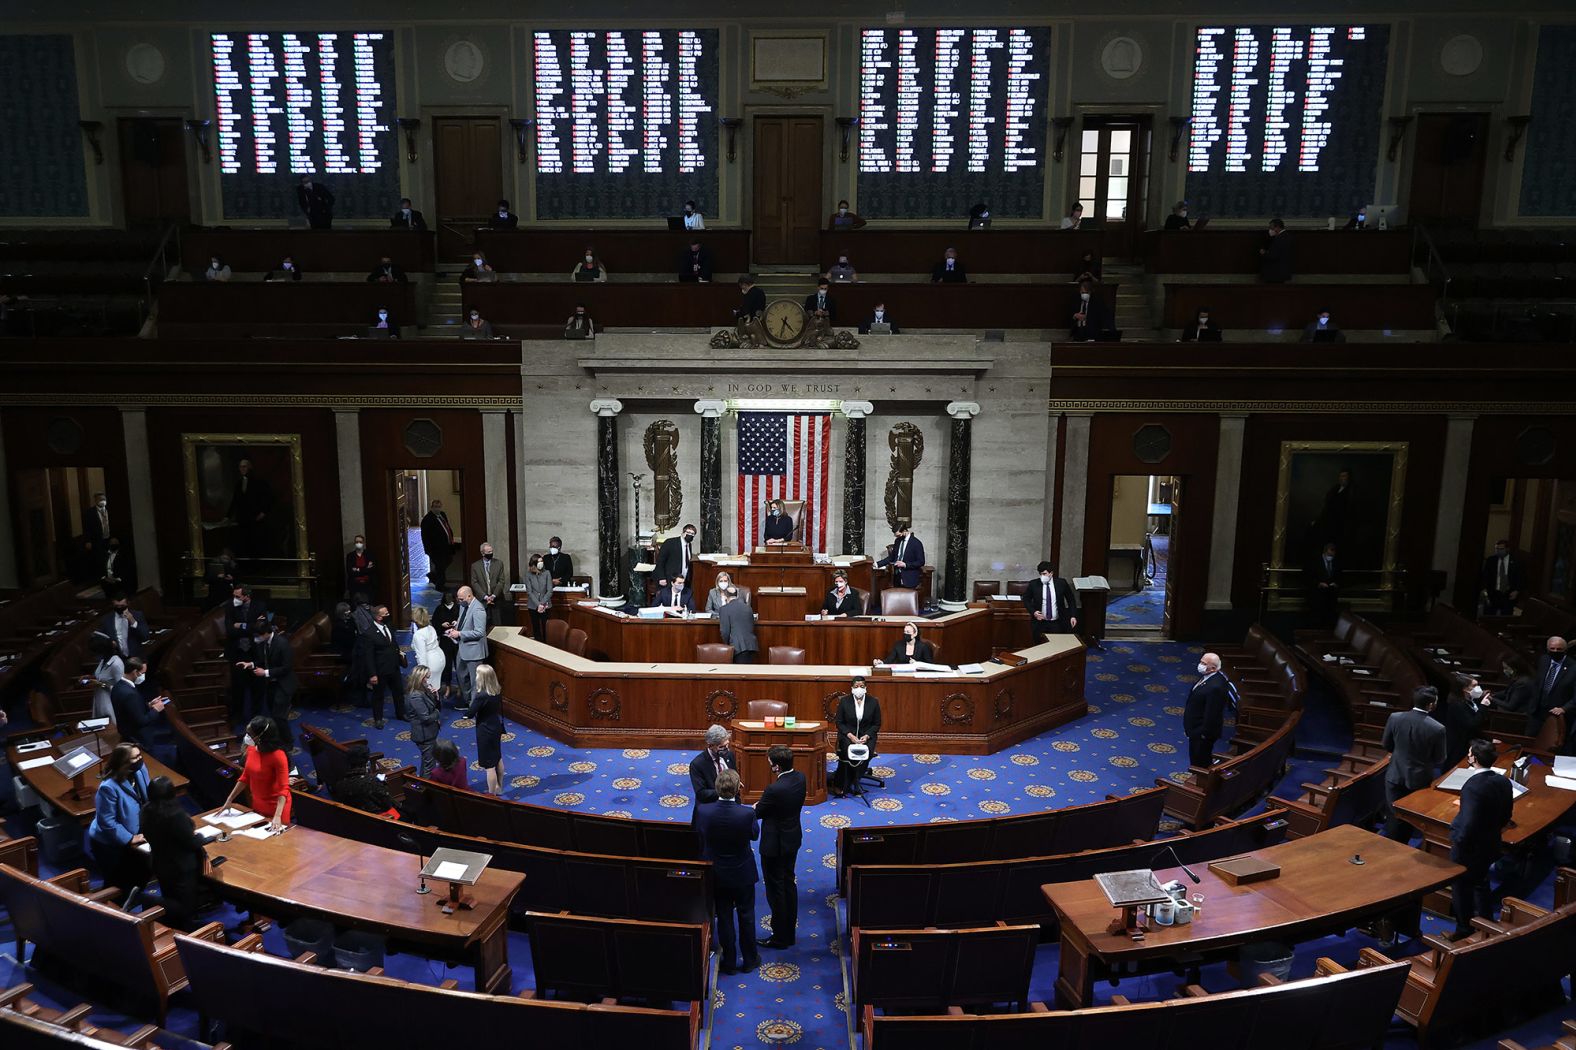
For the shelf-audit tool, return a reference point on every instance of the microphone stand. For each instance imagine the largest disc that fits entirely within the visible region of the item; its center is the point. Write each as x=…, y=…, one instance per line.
x=406, y=840
x=1168, y=849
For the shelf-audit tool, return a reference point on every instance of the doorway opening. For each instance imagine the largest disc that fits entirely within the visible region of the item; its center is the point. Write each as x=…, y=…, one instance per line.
x=1113, y=180
x=467, y=157
x=1140, y=551
x=787, y=199
x=427, y=509
x=153, y=181
x=58, y=526
x=1449, y=162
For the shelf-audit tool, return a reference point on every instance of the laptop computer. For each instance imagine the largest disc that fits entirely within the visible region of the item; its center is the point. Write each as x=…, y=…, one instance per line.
x=577, y=333
x=1199, y=224
x=676, y=223
x=881, y=329
x=380, y=333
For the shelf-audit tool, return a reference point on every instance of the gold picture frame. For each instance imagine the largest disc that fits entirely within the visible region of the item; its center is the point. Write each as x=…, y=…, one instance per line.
x=1368, y=461
x=294, y=560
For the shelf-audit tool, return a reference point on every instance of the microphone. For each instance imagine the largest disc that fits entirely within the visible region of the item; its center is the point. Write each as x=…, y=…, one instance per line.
x=406, y=840
x=1167, y=849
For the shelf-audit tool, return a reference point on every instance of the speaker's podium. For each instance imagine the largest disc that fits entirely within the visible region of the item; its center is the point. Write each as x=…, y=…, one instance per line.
x=751, y=738
x=791, y=553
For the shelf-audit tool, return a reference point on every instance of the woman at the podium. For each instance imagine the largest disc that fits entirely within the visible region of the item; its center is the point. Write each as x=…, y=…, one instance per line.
x=778, y=529
x=910, y=648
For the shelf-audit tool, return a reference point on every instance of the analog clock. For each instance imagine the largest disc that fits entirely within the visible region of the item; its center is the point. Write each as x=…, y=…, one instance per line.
x=784, y=322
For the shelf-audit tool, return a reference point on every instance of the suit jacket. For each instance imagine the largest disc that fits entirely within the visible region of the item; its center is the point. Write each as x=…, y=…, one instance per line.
x=1489, y=580
x=117, y=809
x=379, y=655
x=121, y=572
x=751, y=304
x=1191, y=333
x=726, y=830
x=493, y=580
x=886, y=318
x=416, y=221
x=1316, y=573
x=437, y=536
x=848, y=722
x=1417, y=749
x=778, y=528
x=851, y=604
x=831, y=306
x=738, y=627
x=510, y=221
x=134, y=719
x=688, y=261
x=317, y=202
x=670, y=558
x=714, y=599
x=940, y=275
x=425, y=716
x=1275, y=263
x=472, y=626
x=779, y=811
x=1486, y=803
x=665, y=597
x=1561, y=691
x=279, y=661
x=1206, y=707
x=1520, y=697
x=1066, y=603
x=913, y=556
x=1097, y=320
x=562, y=568
x=924, y=653
x=137, y=633
x=93, y=530
x=238, y=628
x=703, y=775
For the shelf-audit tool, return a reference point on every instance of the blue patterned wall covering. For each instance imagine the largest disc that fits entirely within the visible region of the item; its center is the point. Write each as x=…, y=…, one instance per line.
x=41, y=148
x=1547, y=187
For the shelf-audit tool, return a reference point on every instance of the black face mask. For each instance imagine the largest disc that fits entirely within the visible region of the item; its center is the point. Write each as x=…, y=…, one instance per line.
x=136, y=767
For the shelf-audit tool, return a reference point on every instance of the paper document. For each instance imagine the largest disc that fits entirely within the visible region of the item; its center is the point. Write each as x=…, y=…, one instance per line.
x=923, y=666
x=88, y=725
x=971, y=668
x=1563, y=783
x=234, y=818
x=1564, y=766
x=903, y=668
x=257, y=833
x=34, y=763
x=449, y=871
x=37, y=745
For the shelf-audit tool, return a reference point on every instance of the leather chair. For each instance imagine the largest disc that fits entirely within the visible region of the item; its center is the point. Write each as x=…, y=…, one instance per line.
x=899, y=601
x=784, y=654
x=794, y=509
x=714, y=653
x=985, y=588
x=1018, y=587
x=766, y=708
x=558, y=633
x=576, y=642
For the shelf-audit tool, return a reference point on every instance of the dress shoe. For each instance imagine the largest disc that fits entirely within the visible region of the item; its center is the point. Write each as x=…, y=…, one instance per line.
x=751, y=966
x=1458, y=935
x=775, y=944
x=378, y=724
x=726, y=971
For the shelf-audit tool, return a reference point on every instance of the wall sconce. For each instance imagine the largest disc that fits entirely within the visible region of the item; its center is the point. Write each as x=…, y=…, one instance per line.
x=846, y=126
x=1398, y=127
x=522, y=133
x=1518, y=128
x=732, y=125
x=91, y=129
x=1178, y=126
x=409, y=125
x=1062, y=126
x=199, y=131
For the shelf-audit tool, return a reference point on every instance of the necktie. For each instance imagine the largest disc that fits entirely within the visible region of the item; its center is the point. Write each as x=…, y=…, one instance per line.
x=384, y=631
x=1050, y=601
x=120, y=632
x=1554, y=672
x=104, y=521
x=1502, y=580
x=820, y=302
x=721, y=765
x=949, y=265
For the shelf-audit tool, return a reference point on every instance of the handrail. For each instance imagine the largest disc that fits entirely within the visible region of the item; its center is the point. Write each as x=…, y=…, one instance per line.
x=1435, y=272
x=159, y=266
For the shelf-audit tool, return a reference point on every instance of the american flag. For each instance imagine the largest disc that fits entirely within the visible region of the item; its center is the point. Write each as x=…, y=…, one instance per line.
x=783, y=455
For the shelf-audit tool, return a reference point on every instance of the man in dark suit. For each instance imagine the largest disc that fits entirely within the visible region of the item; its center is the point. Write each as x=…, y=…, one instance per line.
x=842, y=600
x=361, y=570
x=437, y=540
x=779, y=811
x=407, y=218
x=317, y=202
x=118, y=572
x=907, y=557
x=726, y=830
x=695, y=263
x=249, y=507
x=380, y=658
x=858, y=722
x=1205, y=712
x=273, y=666
x=385, y=272
x=1091, y=321
x=1051, y=604
x=778, y=528
x=675, y=555
x=949, y=270
x=1556, y=685
x=738, y=627
x=1417, y=749
x=1275, y=256
x=821, y=309
x=1486, y=803
x=503, y=218
x=713, y=759
x=1322, y=578
x=749, y=317
x=240, y=618
x=128, y=628
x=139, y=712
x=879, y=315
x=559, y=564
x=1202, y=330
x=96, y=527
x=1500, y=581
x=676, y=594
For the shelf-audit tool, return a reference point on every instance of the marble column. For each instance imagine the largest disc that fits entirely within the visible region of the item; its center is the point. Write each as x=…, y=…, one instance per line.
x=139, y=477
x=521, y=541
x=347, y=442
x=1452, y=496
x=854, y=476
x=961, y=463
x=610, y=545
x=9, y=576
x=495, y=467
x=1228, y=492
x=711, y=411
x=1052, y=476
x=1075, y=484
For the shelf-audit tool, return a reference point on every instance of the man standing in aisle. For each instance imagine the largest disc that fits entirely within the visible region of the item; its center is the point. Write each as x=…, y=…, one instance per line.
x=726, y=830
x=470, y=633
x=1205, y=712
x=489, y=582
x=1050, y=604
x=779, y=811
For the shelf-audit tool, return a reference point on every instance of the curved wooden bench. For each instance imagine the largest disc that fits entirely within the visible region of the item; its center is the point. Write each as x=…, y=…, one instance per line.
x=1234, y=784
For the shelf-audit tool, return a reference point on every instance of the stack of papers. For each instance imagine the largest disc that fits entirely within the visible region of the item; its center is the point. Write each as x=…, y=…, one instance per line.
x=448, y=871
x=34, y=763
x=234, y=819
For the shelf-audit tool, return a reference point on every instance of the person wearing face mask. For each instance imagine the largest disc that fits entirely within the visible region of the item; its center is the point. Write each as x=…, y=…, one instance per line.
x=503, y=218
x=385, y=272
x=717, y=596
x=437, y=542
x=407, y=218
x=96, y=527
x=109, y=668
x=1461, y=713
x=907, y=557
x=822, y=310
x=1051, y=604
x=119, y=571
x=778, y=528
x=116, y=830
x=1476, y=836
x=589, y=269
x=910, y=649
x=360, y=787
x=478, y=270
x=218, y=270
x=425, y=708
x=858, y=722
x=240, y=617
x=560, y=564
x=979, y=217
x=844, y=218
x=715, y=757
x=361, y=572
x=379, y=666
x=273, y=669
x=265, y=774
x=880, y=315
x=1275, y=257
x=177, y=855
x=1178, y=219
x=383, y=322
x=1202, y=330
x=579, y=324
x=1322, y=330
x=842, y=271
x=949, y=270
x=695, y=262
x=470, y=635
x=1556, y=686
x=693, y=219
x=139, y=712
x=675, y=555
x=1074, y=218
x=675, y=596
x=287, y=270
x=446, y=618
x=1091, y=321
x=490, y=582
x=538, y=595
x=426, y=649
x=1500, y=581
x=1205, y=713
x=1417, y=751
x=476, y=326
x=842, y=601
x=128, y=628
x=316, y=202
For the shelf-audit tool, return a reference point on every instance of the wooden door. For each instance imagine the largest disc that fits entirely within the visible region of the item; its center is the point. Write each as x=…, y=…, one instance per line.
x=788, y=205
x=467, y=157
x=1113, y=180
x=1172, y=547
x=153, y=171
x=399, y=549
x=1450, y=151
x=35, y=529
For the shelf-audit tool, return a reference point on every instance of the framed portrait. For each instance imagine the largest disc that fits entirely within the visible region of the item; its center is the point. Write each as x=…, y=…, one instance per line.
x=1349, y=493
x=245, y=493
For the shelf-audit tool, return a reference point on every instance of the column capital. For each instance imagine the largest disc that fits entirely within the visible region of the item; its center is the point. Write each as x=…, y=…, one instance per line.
x=607, y=406
x=857, y=409
x=706, y=408
x=963, y=409
x=340, y=410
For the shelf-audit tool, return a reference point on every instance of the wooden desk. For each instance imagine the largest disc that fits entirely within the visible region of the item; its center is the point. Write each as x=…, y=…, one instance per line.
x=189, y=307
x=1289, y=307
x=587, y=703
x=56, y=790
x=1015, y=251
x=1317, y=892
x=752, y=738
x=1313, y=251
x=542, y=250
x=780, y=603
x=815, y=579
x=310, y=874
x=315, y=251
x=963, y=637
x=1431, y=810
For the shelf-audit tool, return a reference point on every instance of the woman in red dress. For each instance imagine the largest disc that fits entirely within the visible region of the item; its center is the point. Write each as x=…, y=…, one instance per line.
x=266, y=776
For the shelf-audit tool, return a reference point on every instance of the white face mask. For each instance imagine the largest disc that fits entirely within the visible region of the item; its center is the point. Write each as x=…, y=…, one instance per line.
x=552, y=550
x=383, y=315
x=1045, y=577
x=238, y=602
x=859, y=692
x=248, y=741
x=1476, y=693
x=215, y=264
x=1202, y=669
x=842, y=211
x=361, y=546
x=289, y=267
x=722, y=583
x=102, y=504
x=405, y=210
x=143, y=677
x=479, y=261
x=476, y=317
x=1084, y=296
x=588, y=260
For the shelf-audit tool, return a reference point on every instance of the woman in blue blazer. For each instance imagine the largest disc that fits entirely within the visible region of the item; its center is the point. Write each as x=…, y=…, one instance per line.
x=116, y=830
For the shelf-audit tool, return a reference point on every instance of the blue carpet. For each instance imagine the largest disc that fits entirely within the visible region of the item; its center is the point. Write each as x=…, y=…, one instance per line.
x=422, y=593
x=1145, y=608
x=798, y=997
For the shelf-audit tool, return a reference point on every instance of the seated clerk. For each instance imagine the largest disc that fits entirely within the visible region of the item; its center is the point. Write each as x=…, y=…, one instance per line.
x=360, y=786
x=503, y=218
x=911, y=648
x=820, y=305
x=579, y=321
x=778, y=528
x=385, y=272
x=218, y=270
x=949, y=270
x=844, y=218
x=384, y=319
x=676, y=596
x=1074, y=218
x=1202, y=330
x=979, y=216
x=407, y=218
x=693, y=219
x=1178, y=219
x=589, y=268
x=842, y=271
x=695, y=262
x=476, y=326
x=286, y=271
x=479, y=269
x=842, y=600
x=878, y=316
x=1322, y=330
x=715, y=596
x=1091, y=320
